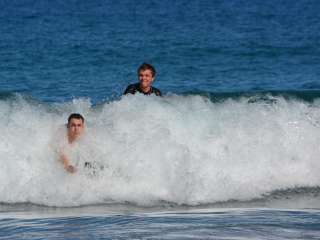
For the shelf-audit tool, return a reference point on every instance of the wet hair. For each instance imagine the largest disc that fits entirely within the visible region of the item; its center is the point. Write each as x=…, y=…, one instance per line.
x=76, y=116
x=147, y=66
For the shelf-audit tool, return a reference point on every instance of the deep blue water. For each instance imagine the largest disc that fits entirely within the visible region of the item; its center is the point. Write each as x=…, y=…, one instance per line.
x=59, y=50
x=238, y=126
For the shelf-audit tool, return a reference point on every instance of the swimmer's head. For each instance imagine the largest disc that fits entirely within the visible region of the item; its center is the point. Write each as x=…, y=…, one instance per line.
x=147, y=66
x=75, y=126
x=146, y=74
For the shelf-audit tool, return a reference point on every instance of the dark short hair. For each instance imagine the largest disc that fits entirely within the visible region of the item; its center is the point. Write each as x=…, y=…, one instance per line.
x=76, y=116
x=147, y=66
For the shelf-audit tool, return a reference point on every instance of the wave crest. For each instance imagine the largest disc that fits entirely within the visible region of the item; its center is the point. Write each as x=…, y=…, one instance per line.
x=179, y=149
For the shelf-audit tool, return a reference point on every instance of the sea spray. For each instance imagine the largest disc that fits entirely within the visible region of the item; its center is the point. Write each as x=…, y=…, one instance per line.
x=176, y=149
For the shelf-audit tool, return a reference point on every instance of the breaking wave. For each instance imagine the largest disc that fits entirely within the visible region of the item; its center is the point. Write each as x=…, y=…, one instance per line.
x=184, y=150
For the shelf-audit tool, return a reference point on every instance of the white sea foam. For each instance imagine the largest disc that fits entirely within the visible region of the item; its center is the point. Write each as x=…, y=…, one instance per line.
x=180, y=149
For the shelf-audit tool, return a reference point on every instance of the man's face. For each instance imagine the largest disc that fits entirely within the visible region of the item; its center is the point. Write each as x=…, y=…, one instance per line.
x=145, y=78
x=75, y=128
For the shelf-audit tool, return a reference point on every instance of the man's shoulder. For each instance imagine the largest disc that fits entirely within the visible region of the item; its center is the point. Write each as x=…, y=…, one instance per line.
x=59, y=139
x=132, y=88
x=156, y=91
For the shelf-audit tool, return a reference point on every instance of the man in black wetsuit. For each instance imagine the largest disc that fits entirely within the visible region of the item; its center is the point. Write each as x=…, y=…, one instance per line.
x=146, y=75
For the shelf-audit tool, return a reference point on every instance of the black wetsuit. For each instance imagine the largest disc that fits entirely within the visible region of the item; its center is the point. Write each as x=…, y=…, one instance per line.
x=134, y=88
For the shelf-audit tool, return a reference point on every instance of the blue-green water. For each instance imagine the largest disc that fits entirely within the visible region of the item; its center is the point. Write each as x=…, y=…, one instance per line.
x=57, y=50
x=200, y=224
x=230, y=151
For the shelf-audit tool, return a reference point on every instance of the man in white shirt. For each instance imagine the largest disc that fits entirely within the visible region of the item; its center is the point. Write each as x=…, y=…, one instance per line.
x=75, y=129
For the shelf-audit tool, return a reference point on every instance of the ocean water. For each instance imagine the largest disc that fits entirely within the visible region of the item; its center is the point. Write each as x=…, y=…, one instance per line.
x=231, y=151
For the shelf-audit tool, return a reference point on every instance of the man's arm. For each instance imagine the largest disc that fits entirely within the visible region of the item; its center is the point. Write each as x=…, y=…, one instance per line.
x=66, y=163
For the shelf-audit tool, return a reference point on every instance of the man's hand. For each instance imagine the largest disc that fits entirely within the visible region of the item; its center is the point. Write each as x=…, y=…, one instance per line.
x=71, y=169
x=66, y=164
